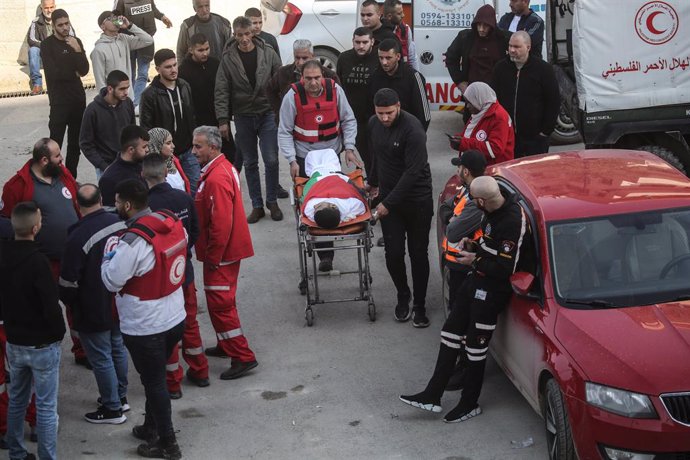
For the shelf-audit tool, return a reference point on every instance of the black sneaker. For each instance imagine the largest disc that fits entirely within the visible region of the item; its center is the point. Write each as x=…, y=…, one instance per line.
x=123, y=403
x=238, y=369
x=170, y=451
x=326, y=265
x=198, y=381
x=103, y=415
x=281, y=192
x=460, y=414
x=402, y=309
x=419, y=318
x=421, y=401
x=381, y=242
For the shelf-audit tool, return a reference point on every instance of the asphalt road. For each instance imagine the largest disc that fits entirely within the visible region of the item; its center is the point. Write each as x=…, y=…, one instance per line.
x=329, y=391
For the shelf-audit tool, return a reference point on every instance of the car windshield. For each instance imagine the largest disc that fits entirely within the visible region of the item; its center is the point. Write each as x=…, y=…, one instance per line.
x=622, y=260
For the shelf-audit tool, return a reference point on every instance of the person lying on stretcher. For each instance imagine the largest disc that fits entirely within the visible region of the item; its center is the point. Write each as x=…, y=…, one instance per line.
x=330, y=198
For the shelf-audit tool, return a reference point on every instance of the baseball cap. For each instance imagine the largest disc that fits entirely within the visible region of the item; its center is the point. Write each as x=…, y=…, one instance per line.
x=103, y=16
x=471, y=159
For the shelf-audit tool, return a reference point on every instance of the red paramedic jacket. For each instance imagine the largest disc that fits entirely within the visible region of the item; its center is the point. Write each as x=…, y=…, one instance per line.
x=224, y=232
x=21, y=188
x=165, y=232
x=493, y=136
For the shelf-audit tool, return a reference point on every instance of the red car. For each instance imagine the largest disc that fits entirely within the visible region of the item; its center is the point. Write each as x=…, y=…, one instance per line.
x=597, y=335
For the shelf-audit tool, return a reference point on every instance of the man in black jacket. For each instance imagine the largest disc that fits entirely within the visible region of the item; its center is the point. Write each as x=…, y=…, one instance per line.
x=404, y=80
x=199, y=69
x=104, y=119
x=527, y=88
x=483, y=295
x=168, y=103
x=135, y=145
x=143, y=14
x=65, y=63
x=522, y=17
x=370, y=15
x=355, y=68
x=401, y=178
x=163, y=196
x=35, y=327
x=81, y=287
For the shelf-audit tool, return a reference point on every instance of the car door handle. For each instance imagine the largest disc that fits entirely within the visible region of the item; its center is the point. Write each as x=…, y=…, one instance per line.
x=330, y=13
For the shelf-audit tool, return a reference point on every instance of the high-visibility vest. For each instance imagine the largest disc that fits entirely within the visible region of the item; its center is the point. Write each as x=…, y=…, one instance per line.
x=451, y=251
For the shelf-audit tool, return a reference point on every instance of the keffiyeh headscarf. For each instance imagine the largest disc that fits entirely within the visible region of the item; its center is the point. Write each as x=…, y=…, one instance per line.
x=157, y=137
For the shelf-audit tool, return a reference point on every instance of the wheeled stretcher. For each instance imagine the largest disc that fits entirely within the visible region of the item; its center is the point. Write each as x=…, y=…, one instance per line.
x=354, y=235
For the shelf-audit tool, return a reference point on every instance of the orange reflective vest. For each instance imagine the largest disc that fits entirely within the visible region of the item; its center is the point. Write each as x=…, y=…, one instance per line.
x=451, y=251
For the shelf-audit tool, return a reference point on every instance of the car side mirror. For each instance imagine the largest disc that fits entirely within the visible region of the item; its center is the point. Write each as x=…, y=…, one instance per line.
x=522, y=283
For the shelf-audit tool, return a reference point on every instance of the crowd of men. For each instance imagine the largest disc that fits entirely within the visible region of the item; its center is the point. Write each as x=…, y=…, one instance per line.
x=170, y=183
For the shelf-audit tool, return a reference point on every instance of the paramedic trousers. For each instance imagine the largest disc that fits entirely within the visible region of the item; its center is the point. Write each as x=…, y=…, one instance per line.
x=192, y=349
x=468, y=330
x=412, y=222
x=220, y=286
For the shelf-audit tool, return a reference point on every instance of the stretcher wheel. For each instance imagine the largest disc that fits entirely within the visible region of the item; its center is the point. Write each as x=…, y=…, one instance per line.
x=303, y=287
x=309, y=316
x=372, y=312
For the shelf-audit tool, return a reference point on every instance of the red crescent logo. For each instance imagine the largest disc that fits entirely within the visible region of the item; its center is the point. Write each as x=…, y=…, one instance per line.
x=177, y=270
x=661, y=13
x=650, y=23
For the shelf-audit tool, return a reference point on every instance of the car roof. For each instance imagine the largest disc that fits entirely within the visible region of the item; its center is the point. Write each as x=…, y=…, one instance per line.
x=590, y=183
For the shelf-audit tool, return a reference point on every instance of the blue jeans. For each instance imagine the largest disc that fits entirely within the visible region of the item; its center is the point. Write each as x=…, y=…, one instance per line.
x=140, y=74
x=107, y=355
x=191, y=168
x=150, y=354
x=263, y=127
x=35, y=66
x=42, y=366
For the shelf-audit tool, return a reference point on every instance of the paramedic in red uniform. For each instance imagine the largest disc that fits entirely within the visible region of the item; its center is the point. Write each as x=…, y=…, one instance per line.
x=489, y=129
x=224, y=240
x=145, y=266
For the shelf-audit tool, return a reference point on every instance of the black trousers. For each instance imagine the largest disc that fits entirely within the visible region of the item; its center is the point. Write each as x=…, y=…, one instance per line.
x=231, y=153
x=456, y=279
x=67, y=118
x=526, y=146
x=468, y=329
x=150, y=354
x=410, y=222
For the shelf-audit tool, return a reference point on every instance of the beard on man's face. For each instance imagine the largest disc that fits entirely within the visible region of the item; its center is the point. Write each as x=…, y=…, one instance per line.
x=52, y=170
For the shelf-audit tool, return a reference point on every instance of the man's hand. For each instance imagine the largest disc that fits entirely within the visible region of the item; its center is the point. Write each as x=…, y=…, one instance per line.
x=373, y=191
x=466, y=257
x=454, y=143
x=125, y=22
x=294, y=169
x=225, y=131
x=73, y=43
x=351, y=158
x=381, y=211
x=167, y=22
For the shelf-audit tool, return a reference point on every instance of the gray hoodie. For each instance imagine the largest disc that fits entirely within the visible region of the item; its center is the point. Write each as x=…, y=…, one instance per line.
x=113, y=53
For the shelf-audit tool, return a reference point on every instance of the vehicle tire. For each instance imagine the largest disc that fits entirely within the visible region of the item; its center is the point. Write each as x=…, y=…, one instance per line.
x=565, y=132
x=559, y=438
x=309, y=316
x=326, y=57
x=445, y=296
x=665, y=154
x=372, y=312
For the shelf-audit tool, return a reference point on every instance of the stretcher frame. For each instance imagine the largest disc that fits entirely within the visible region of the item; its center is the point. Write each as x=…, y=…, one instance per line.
x=356, y=235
